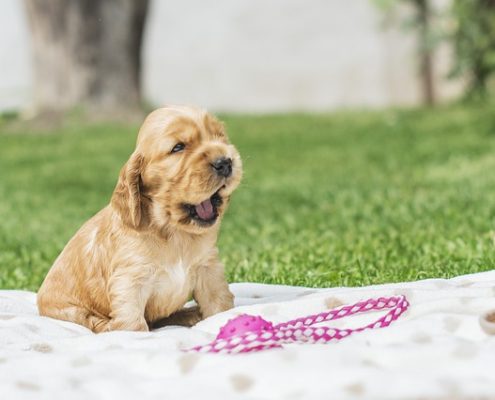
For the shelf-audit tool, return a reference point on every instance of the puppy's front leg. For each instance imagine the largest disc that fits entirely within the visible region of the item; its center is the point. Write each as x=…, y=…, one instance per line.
x=128, y=298
x=212, y=291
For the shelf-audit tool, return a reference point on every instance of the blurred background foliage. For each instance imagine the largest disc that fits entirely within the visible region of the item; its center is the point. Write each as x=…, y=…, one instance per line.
x=468, y=27
x=87, y=55
x=473, y=38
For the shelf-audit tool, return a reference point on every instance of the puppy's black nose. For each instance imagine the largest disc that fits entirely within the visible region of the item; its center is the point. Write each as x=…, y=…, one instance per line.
x=223, y=166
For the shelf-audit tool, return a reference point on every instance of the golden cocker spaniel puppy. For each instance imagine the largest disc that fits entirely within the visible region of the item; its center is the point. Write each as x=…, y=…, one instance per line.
x=140, y=259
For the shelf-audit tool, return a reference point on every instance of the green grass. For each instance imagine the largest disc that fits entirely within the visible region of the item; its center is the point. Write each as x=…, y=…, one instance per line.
x=338, y=199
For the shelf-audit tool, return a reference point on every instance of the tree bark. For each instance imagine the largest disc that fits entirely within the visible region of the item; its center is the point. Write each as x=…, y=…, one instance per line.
x=86, y=54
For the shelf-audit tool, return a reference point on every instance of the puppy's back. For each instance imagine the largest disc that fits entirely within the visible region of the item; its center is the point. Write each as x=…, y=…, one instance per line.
x=74, y=288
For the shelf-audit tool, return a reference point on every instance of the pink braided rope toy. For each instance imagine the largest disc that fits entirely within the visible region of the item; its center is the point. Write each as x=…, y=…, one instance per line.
x=247, y=333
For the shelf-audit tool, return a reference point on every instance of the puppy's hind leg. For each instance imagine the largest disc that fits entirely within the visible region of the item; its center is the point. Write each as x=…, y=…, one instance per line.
x=66, y=311
x=187, y=316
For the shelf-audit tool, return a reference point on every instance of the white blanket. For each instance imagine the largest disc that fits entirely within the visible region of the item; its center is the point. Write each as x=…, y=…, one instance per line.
x=436, y=350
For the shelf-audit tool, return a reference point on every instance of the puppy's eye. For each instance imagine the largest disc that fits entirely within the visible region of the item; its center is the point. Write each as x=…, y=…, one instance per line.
x=178, y=147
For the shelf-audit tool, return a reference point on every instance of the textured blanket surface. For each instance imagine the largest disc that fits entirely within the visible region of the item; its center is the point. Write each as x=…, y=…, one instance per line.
x=436, y=350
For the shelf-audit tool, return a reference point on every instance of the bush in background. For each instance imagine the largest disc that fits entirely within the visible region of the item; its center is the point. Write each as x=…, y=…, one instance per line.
x=473, y=40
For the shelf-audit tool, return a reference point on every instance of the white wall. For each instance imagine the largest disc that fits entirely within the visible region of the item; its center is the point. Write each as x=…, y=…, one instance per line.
x=251, y=55
x=15, y=72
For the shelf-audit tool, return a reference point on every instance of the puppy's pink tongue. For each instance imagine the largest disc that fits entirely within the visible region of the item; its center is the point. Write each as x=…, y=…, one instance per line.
x=205, y=210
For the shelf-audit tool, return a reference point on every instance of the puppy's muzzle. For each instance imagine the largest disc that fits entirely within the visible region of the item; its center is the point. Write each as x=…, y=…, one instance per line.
x=222, y=166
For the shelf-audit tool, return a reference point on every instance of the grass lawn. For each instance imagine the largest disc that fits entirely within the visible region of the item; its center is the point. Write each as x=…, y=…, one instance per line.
x=340, y=199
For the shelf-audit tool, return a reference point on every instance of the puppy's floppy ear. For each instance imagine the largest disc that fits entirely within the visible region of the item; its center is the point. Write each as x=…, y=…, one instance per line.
x=126, y=198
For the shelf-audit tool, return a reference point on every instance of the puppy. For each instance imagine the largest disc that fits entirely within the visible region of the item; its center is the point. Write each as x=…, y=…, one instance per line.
x=141, y=258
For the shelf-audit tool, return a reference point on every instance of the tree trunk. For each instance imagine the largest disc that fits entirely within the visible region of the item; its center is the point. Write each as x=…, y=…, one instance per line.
x=425, y=51
x=86, y=54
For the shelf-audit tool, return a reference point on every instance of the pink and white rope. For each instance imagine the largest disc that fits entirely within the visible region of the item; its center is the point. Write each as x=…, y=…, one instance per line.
x=308, y=329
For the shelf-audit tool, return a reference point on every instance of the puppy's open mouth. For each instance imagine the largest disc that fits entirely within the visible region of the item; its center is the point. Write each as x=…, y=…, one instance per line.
x=206, y=212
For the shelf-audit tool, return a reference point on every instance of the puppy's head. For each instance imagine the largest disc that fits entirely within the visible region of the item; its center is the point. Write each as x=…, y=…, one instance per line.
x=181, y=174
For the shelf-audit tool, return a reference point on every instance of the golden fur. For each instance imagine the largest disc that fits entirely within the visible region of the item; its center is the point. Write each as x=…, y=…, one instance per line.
x=141, y=258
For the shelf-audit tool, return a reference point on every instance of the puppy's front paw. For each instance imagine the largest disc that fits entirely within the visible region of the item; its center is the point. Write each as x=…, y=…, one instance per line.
x=138, y=325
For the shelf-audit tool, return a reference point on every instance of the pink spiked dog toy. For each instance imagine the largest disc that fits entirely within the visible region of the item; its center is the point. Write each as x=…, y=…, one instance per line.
x=246, y=333
x=242, y=324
